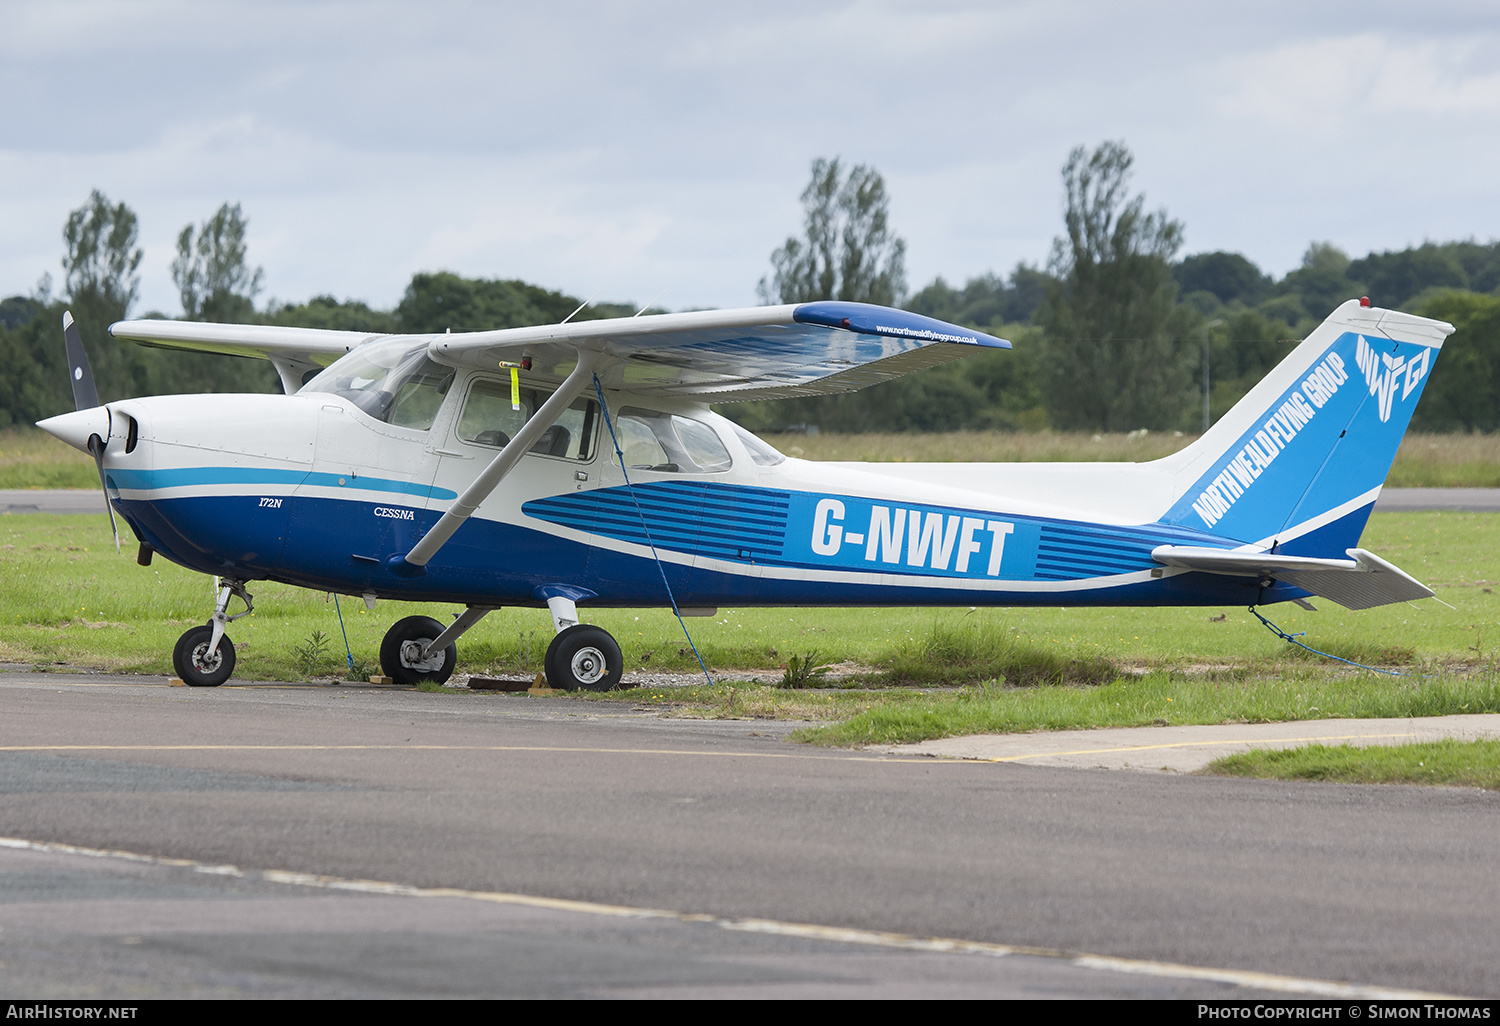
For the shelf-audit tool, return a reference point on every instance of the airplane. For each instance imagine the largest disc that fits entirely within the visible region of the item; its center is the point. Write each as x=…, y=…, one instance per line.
x=578, y=465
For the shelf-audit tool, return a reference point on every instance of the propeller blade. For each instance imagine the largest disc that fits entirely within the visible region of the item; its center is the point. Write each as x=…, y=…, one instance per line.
x=96, y=447
x=80, y=376
x=86, y=397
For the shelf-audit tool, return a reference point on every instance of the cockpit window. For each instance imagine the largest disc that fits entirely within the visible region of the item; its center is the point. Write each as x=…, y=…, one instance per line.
x=669, y=444
x=393, y=382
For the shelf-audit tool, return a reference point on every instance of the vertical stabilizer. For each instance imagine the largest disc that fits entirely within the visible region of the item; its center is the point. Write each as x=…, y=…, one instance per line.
x=1299, y=461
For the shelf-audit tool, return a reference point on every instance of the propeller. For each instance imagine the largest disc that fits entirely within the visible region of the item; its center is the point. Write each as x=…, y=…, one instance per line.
x=86, y=397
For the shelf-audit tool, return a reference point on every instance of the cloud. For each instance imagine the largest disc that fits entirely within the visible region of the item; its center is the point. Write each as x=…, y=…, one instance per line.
x=1355, y=81
x=627, y=146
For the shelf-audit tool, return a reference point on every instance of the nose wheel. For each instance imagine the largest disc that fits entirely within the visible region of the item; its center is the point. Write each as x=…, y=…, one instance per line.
x=198, y=663
x=584, y=657
x=204, y=656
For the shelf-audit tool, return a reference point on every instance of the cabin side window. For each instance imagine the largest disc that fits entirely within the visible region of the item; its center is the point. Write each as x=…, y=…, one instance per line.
x=669, y=444
x=490, y=418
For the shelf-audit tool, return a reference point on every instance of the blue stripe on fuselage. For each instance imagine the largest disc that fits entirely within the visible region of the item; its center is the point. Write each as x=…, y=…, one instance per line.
x=826, y=531
x=190, y=477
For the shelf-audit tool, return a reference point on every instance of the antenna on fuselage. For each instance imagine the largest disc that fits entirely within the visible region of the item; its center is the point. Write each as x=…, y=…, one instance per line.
x=585, y=303
x=649, y=305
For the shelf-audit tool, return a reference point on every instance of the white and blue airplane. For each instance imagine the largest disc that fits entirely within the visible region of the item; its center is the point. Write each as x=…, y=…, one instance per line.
x=579, y=465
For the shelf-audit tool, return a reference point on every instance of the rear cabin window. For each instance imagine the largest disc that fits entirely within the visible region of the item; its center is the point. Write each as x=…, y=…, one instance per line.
x=669, y=444
x=759, y=450
x=489, y=418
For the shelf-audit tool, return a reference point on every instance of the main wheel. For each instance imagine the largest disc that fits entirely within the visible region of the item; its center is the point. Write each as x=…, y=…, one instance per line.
x=584, y=656
x=401, y=652
x=195, y=666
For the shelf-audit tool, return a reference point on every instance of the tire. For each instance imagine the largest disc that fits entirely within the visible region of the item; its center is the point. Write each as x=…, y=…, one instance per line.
x=584, y=657
x=396, y=657
x=189, y=658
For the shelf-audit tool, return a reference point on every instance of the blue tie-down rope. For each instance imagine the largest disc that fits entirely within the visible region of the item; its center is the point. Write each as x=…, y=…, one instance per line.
x=1326, y=655
x=609, y=423
x=347, y=654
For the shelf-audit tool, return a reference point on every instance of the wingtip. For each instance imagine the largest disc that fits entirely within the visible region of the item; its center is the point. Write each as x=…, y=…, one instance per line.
x=67, y=319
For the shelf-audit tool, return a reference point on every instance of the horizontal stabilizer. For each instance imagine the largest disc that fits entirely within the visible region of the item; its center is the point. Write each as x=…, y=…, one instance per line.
x=1360, y=582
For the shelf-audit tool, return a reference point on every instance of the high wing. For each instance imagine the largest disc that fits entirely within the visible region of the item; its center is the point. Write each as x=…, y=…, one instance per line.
x=1362, y=581
x=292, y=351
x=769, y=352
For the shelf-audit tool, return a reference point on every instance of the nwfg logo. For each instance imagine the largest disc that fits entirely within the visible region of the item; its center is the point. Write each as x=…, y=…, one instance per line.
x=1384, y=372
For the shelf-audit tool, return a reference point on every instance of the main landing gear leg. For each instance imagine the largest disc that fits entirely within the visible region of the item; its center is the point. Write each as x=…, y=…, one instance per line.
x=204, y=656
x=581, y=655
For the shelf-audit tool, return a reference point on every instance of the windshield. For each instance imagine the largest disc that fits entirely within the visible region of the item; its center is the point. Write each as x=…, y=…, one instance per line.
x=392, y=381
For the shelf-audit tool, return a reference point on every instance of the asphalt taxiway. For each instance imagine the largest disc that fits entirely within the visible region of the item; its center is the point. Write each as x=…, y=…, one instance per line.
x=357, y=841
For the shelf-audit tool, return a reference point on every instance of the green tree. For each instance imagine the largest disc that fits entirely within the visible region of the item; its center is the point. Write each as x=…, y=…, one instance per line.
x=1463, y=393
x=100, y=277
x=848, y=251
x=327, y=312
x=986, y=302
x=210, y=271
x=1396, y=279
x=444, y=301
x=1245, y=346
x=1228, y=277
x=102, y=257
x=1115, y=359
x=35, y=382
x=1319, y=285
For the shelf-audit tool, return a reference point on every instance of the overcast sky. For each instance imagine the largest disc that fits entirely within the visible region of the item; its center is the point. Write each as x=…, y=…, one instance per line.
x=633, y=147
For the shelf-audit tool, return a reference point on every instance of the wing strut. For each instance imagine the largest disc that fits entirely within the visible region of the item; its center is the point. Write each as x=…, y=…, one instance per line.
x=489, y=479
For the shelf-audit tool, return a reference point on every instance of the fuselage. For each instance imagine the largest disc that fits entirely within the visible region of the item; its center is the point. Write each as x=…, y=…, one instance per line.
x=322, y=488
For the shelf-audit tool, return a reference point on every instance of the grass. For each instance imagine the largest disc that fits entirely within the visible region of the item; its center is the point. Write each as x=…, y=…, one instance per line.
x=955, y=654
x=732, y=699
x=1455, y=763
x=30, y=458
x=1447, y=461
x=1164, y=698
x=803, y=672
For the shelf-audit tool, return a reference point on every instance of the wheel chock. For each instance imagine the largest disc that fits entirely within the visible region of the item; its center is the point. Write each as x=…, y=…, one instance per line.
x=479, y=682
x=177, y=682
x=378, y=679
